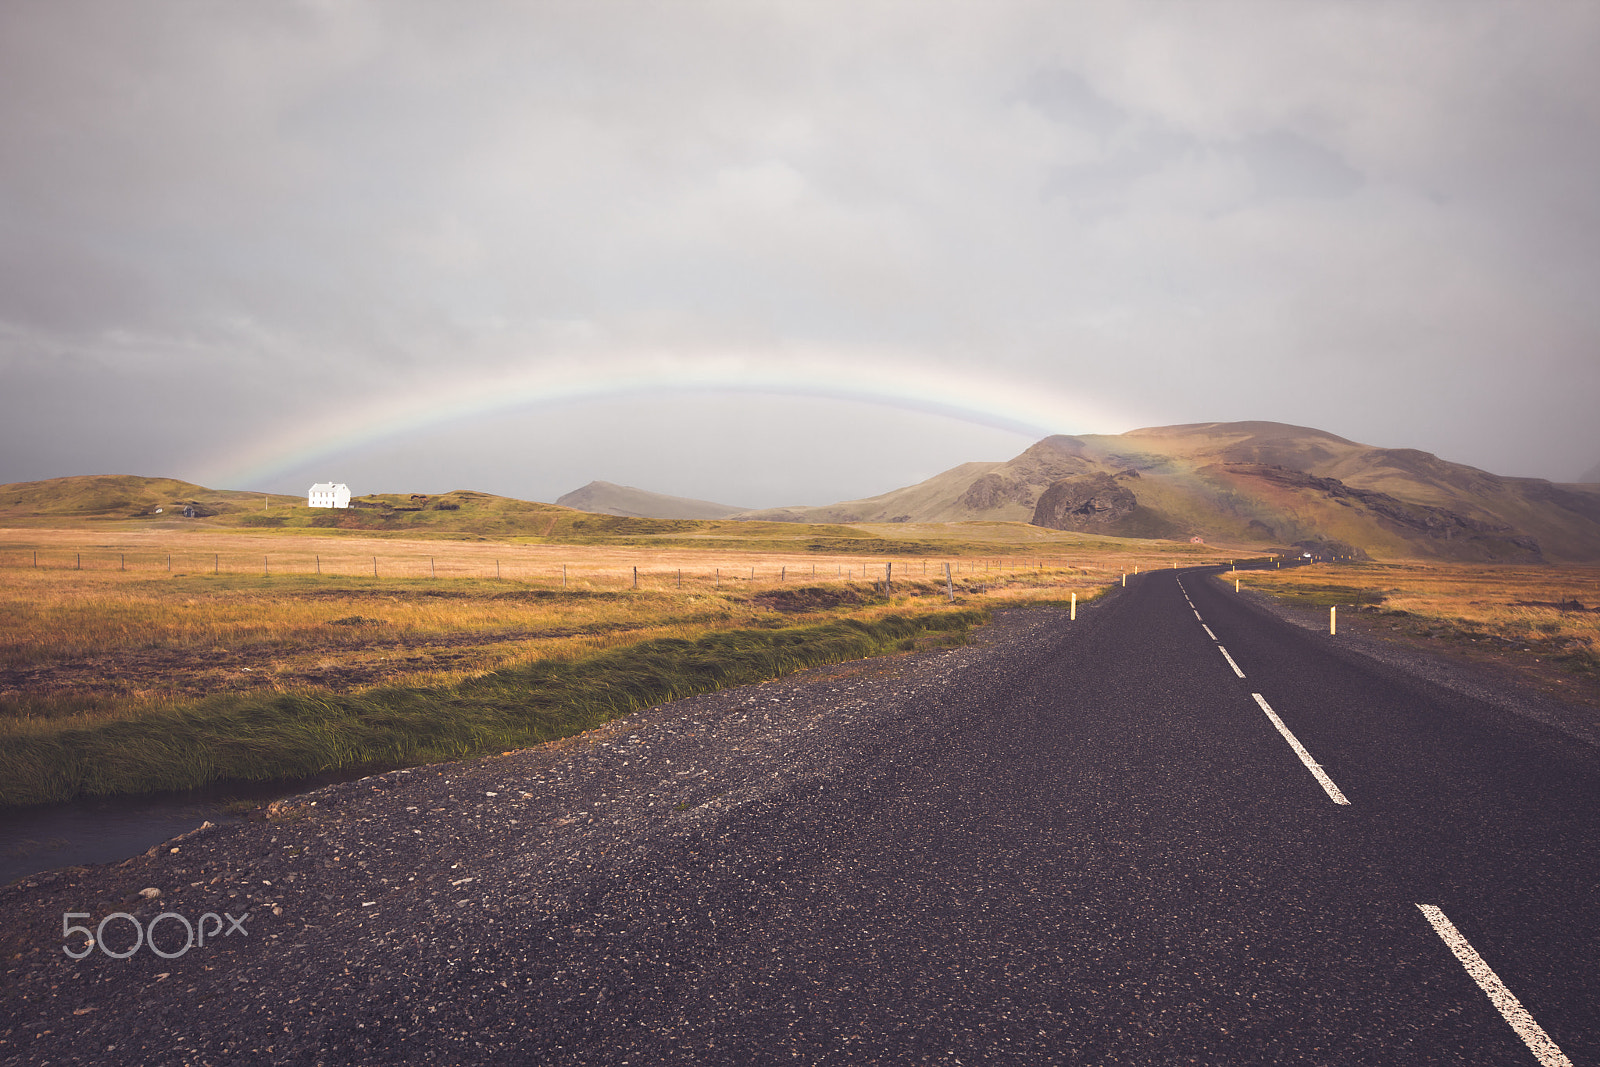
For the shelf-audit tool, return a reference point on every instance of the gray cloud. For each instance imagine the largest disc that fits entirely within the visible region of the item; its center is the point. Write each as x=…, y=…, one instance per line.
x=1377, y=220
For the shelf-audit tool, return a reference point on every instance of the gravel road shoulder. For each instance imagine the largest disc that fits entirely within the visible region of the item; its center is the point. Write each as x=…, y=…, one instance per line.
x=375, y=907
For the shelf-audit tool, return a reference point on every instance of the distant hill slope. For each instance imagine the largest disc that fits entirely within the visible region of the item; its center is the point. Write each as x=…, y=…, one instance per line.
x=1250, y=481
x=129, y=502
x=123, y=496
x=605, y=498
x=1591, y=476
x=160, y=502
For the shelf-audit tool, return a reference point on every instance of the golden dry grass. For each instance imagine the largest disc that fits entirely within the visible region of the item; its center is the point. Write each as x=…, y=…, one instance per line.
x=101, y=629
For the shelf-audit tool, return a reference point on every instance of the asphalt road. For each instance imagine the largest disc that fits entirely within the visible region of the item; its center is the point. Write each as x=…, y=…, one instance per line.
x=1106, y=853
x=1117, y=858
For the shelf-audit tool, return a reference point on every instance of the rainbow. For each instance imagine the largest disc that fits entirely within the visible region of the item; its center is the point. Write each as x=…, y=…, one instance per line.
x=1032, y=409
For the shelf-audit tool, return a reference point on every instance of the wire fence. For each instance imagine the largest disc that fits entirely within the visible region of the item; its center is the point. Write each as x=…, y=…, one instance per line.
x=542, y=572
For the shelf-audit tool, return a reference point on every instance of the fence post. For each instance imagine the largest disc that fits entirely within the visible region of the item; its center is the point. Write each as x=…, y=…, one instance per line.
x=169, y=561
x=216, y=563
x=680, y=577
x=719, y=577
x=1333, y=620
x=123, y=565
x=497, y=570
x=319, y=564
x=636, y=577
x=1074, y=617
x=374, y=566
x=888, y=579
x=949, y=584
x=433, y=572
x=783, y=573
x=264, y=569
x=563, y=576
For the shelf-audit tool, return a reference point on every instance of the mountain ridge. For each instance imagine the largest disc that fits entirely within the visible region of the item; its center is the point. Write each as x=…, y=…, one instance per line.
x=1225, y=481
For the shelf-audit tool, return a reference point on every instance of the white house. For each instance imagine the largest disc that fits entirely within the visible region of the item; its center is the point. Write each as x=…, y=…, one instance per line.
x=329, y=495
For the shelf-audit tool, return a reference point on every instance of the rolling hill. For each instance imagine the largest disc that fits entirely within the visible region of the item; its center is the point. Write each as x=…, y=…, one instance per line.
x=123, y=496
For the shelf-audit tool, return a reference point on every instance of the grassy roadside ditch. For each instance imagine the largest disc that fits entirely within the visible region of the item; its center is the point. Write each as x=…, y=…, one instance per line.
x=260, y=736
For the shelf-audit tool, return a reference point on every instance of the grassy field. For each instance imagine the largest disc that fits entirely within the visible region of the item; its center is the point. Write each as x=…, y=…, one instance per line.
x=139, y=656
x=105, y=626
x=135, y=659
x=1543, y=622
x=142, y=651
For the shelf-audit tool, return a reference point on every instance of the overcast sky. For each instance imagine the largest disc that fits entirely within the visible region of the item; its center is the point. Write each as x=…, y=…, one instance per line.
x=784, y=253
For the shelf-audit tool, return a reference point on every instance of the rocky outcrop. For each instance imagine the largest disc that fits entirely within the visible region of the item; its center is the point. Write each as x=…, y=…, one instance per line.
x=986, y=492
x=1092, y=501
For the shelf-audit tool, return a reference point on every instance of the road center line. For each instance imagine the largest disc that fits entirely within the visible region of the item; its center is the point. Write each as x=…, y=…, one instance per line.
x=1207, y=629
x=1300, y=750
x=1546, y=1051
x=1229, y=658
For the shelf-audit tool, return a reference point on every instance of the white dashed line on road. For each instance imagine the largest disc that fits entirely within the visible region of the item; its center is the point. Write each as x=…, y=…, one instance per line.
x=1546, y=1051
x=1207, y=629
x=1300, y=750
x=1229, y=658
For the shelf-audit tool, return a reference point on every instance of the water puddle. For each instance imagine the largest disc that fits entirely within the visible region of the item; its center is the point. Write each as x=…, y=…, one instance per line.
x=111, y=829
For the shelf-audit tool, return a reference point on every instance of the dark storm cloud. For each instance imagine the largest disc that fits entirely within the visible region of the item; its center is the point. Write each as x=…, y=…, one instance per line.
x=1378, y=220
